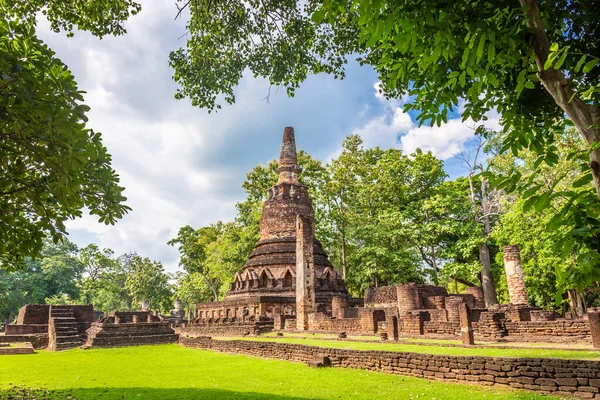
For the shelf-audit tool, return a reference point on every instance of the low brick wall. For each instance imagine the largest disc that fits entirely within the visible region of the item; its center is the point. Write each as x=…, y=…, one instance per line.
x=564, y=328
x=561, y=377
x=26, y=329
x=39, y=340
x=227, y=329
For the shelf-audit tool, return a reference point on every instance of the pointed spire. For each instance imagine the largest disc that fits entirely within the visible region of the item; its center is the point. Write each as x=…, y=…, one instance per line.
x=288, y=159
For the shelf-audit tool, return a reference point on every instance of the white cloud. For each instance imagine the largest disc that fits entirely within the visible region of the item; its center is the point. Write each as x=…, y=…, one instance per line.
x=394, y=128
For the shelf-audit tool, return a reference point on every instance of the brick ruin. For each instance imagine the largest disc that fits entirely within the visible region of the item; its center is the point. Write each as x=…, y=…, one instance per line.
x=61, y=327
x=288, y=283
x=57, y=327
x=267, y=287
x=129, y=329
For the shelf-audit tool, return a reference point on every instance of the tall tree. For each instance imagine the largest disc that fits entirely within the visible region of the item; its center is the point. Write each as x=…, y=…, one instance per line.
x=51, y=165
x=557, y=198
x=485, y=203
x=104, y=280
x=54, y=275
x=148, y=281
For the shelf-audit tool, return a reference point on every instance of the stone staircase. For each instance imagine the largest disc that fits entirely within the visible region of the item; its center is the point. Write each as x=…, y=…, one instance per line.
x=62, y=329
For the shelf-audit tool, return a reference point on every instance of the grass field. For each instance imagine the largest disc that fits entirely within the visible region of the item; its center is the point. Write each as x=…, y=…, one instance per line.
x=173, y=372
x=432, y=349
x=428, y=341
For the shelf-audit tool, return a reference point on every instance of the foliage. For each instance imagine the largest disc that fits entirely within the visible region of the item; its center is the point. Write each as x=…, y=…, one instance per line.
x=191, y=289
x=54, y=277
x=383, y=216
x=105, y=279
x=535, y=62
x=553, y=218
x=483, y=52
x=51, y=165
x=147, y=280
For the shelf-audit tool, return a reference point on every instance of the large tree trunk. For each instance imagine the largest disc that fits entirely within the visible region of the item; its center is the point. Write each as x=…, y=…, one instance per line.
x=586, y=117
x=436, y=278
x=487, y=280
x=344, y=256
x=576, y=302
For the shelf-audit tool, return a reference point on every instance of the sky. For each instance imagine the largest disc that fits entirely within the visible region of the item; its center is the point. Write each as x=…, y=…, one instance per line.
x=181, y=165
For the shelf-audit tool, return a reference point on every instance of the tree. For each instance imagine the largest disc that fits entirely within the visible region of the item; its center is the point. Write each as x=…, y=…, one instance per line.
x=51, y=278
x=553, y=227
x=51, y=165
x=533, y=61
x=485, y=206
x=104, y=281
x=148, y=281
x=192, y=245
x=191, y=289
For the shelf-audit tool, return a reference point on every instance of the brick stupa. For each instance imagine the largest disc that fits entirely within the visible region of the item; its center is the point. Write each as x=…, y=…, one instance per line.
x=266, y=285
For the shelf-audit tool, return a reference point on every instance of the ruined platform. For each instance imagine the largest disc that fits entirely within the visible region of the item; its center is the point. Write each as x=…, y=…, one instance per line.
x=120, y=329
x=16, y=348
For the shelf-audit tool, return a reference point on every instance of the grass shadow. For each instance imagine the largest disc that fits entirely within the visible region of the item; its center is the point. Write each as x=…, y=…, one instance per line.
x=141, y=393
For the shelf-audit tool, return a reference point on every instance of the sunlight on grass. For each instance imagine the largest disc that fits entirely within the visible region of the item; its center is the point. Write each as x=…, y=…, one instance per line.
x=173, y=372
x=416, y=348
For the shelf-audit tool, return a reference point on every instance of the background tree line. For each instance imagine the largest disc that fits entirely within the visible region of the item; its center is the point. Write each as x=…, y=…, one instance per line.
x=64, y=274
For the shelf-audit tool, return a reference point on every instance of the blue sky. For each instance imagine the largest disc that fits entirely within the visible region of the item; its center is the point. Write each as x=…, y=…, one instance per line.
x=181, y=165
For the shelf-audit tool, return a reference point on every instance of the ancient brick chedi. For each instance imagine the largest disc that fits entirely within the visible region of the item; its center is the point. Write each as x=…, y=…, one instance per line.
x=267, y=283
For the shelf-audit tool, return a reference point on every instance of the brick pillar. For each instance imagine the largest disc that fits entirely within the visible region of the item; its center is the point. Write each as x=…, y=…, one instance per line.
x=466, y=329
x=408, y=298
x=514, y=275
x=305, y=274
x=594, y=319
x=338, y=305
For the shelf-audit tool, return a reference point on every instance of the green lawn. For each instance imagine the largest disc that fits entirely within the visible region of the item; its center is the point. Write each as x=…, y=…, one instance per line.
x=416, y=348
x=173, y=372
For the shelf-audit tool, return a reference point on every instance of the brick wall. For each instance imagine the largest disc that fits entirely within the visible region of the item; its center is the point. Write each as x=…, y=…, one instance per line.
x=380, y=295
x=26, y=329
x=227, y=329
x=363, y=323
x=560, y=377
x=563, y=328
x=38, y=340
x=33, y=314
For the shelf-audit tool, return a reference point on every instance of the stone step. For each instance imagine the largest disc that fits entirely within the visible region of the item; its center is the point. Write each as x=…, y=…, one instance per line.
x=67, y=346
x=67, y=339
x=61, y=312
x=63, y=321
x=67, y=333
x=65, y=327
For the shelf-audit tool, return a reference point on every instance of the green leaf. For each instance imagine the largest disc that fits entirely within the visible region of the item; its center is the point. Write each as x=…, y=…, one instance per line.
x=589, y=65
x=584, y=180
x=561, y=60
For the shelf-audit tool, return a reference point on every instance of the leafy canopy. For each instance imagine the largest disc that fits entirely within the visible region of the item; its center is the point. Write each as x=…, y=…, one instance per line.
x=51, y=165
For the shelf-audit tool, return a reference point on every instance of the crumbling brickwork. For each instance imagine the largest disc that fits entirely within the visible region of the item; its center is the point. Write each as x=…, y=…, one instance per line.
x=271, y=269
x=129, y=329
x=515, y=280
